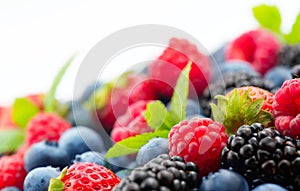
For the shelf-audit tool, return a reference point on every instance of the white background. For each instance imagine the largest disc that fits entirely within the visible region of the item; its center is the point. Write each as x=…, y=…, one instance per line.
x=37, y=37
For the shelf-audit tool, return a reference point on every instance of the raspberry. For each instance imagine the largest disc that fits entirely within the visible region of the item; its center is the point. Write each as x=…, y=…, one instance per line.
x=45, y=127
x=89, y=176
x=287, y=108
x=166, y=69
x=200, y=141
x=12, y=171
x=131, y=123
x=258, y=47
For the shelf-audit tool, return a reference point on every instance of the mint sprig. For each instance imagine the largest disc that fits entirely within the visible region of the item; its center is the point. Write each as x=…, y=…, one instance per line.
x=269, y=17
x=11, y=139
x=158, y=118
x=23, y=111
x=50, y=101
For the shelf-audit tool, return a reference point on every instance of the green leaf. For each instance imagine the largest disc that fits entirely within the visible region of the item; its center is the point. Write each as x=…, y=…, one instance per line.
x=222, y=101
x=133, y=144
x=50, y=101
x=56, y=184
x=268, y=17
x=11, y=139
x=254, y=108
x=233, y=107
x=23, y=111
x=180, y=95
x=294, y=36
x=157, y=116
x=218, y=114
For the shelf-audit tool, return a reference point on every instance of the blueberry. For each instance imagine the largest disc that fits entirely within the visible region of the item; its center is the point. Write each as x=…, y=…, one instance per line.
x=278, y=75
x=192, y=107
x=233, y=66
x=219, y=55
x=89, y=90
x=120, y=163
x=152, y=149
x=45, y=153
x=80, y=139
x=123, y=173
x=224, y=180
x=39, y=178
x=79, y=116
x=269, y=187
x=90, y=156
x=11, y=188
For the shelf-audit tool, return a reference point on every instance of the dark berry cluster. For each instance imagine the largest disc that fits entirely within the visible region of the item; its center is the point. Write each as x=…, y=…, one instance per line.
x=263, y=155
x=289, y=55
x=162, y=173
x=228, y=83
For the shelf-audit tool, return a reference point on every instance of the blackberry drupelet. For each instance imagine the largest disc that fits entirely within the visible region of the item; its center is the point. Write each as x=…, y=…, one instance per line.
x=296, y=71
x=263, y=155
x=228, y=83
x=162, y=173
x=289, y=55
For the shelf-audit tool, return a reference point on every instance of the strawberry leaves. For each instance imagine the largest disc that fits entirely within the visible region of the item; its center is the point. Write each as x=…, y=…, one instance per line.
x=158, y=118
x=56, y=184
x=269, y=17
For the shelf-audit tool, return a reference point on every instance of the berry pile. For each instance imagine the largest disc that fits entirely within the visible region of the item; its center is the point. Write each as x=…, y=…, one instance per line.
x=184, y=123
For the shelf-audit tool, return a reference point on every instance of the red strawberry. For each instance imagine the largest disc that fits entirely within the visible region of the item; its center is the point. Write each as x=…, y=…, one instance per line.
x=287, y=108
x=257, y=93
x=45, y=126
x=6, y=118
x=37, y=100
x=89, y=177
x=131, y=123
x=200, y=141
x=12, y=171
x=166, y=69
x=258, y=47
x=119, y=94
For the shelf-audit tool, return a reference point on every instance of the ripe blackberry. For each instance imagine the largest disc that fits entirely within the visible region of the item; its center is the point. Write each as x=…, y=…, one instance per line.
x=228, y=83
x=263, y=155
x=296, y=71
x=289, y=55
x=162, y=173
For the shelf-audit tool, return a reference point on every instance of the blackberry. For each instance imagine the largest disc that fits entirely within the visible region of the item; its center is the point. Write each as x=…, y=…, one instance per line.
x=289, y=55
x=228, y=83
x=162, y=173
x=296, y=71
x=263, y=155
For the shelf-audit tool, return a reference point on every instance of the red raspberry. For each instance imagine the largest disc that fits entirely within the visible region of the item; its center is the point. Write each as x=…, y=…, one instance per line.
x=257, y=93
x=125, y=93
x=258, y=47
x=167, y=68
x=287, y=108
x=12, y=171
x=89, y=177
x=200, y=141
x=45, y=126
x=131, y=123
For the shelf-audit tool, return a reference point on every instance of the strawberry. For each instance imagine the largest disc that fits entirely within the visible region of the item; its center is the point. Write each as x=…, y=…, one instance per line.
x=243, y=106
x=6, y=118
x=258, y=47
x=45, y=126
x=131, y=123
x=12, y=171
x=200, y=141
x=86, y=176
x=256, y=93
x=113, y=98
x=287, y=108
x=166, y=69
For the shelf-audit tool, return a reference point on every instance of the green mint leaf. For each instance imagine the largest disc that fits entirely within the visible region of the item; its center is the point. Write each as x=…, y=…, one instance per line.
x=23, y=111
x=50, y=101
x=133, y=144
x=180, y=95
x=11, y=139
x=268, y=17
x=56, y=184
x=294, y=36
x=157, y=116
